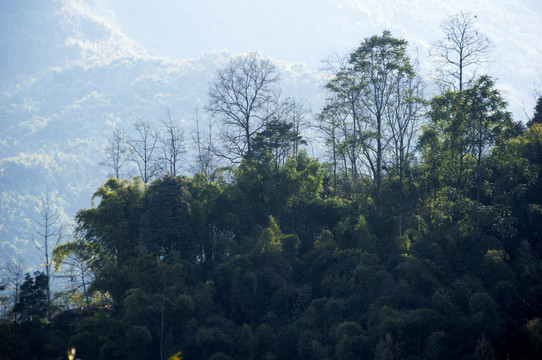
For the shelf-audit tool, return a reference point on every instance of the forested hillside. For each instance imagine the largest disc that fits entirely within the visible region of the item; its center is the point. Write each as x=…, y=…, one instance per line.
x=417, y=235
x=68, y=81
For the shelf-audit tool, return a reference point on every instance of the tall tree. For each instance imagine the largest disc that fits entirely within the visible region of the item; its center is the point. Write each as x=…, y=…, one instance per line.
x=380, y=63
x=205, y=159
x=463, y=47
x=32, y=303
x=368, y=96
x=467, y=124
x=49, y=231
x=404, y=114
x=166, y=218
x=299, y=114
x=243, y=96
x=112, y=229
x=537, y=115
x=116, y=154
x=272, y=146
x=143, y=150
x=451, y=128
x=12, y=276
x=328, y=124
x=491, y=122
x=344, y=106
x=76, y=258
x=172, y=141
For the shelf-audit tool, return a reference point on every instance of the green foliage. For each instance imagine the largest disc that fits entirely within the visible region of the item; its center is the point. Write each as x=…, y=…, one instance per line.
x=435, y=347
x=324, y=241
x=114, y=226
x=32, y=301
x=464, y=125
x=291, y=258
x=137, y=341
x=270, y=239
x=166, y=217
x=537, y=115
x=354, y=233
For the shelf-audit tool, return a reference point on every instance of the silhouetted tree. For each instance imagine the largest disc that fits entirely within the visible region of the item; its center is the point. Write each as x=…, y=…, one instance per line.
x=537, y=115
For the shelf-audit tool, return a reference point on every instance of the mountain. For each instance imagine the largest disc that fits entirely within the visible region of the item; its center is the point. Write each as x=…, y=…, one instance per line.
x=66, y=86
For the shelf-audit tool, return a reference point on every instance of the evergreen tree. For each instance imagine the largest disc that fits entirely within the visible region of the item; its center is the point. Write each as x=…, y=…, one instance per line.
x=32, y=303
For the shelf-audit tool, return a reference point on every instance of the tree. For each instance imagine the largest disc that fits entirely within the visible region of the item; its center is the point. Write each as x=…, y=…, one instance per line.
x=490, y=121
x=48, y=228
x=78, y=258
x=484, y=350
x=214, y=242
x=343, y=112
x=404, y=115
x=13, y=275
x=33, y=303
x=327, y=125
x=336, y=125
x=166, y=218
x=537, y=115
x=205, y=162
x=143, y=150
x=467, y=124
x=270, y=240
x=386, y=349
x=448, y=138
x=243, y=97
x=116, y=153
x=172, y=145
x=382, y=63
x=298, y=117
x=365, y=88
x=113, y=228
x=272, y=146
x=463, y=47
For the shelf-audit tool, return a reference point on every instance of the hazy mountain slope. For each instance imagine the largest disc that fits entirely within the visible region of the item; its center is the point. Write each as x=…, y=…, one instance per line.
x=59, y=109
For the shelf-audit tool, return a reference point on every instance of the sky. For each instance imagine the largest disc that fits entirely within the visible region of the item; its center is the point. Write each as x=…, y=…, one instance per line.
x=309, y=31
x=294, y=31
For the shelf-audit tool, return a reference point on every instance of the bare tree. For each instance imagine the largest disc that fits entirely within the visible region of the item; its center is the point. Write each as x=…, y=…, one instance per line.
x=48, y=229
x=299, y=117
x=173, y=148
x=205, y=161
x=345, y=106
x=143, y=152
x=463, y=47
x=404, y=113
x=243, y=97
x=330, y=123
x=116, y=153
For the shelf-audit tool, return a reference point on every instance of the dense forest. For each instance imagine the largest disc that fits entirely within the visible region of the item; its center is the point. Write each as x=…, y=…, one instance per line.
x=416, y=235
